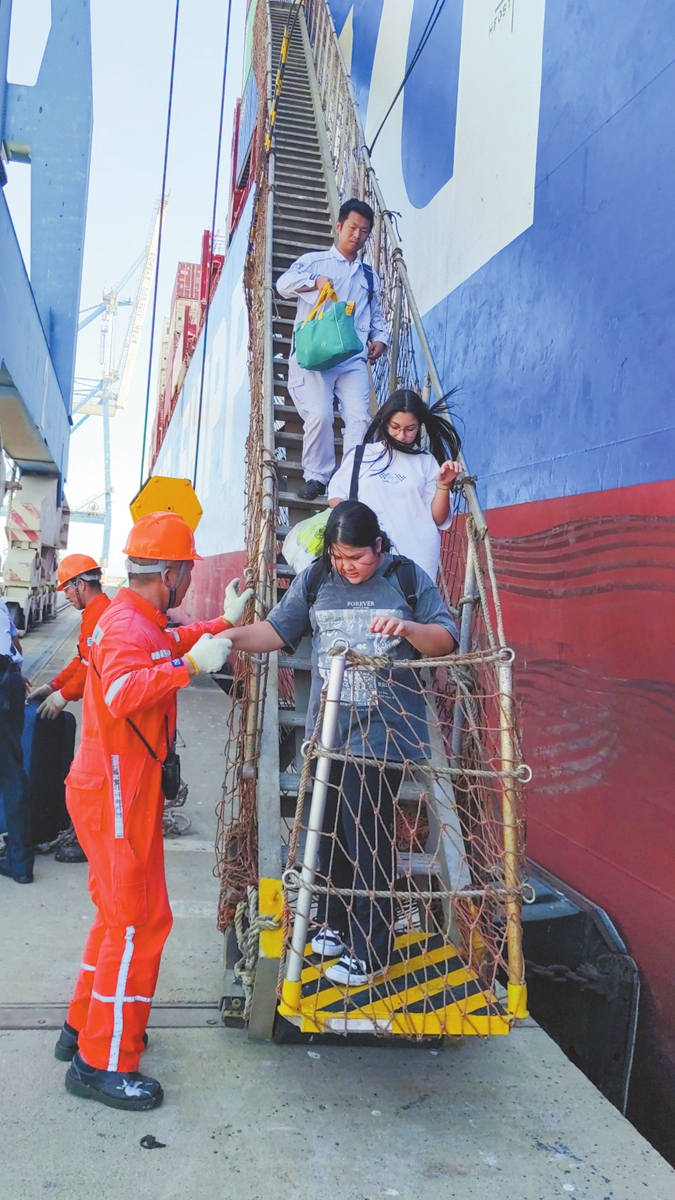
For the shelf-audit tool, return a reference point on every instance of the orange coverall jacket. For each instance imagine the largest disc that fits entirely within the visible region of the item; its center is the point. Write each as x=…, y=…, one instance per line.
x=71, y=680
x=116, y=803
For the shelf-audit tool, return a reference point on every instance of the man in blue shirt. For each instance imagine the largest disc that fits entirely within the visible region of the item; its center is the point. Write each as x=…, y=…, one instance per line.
x=18, y=861
x=312, y=392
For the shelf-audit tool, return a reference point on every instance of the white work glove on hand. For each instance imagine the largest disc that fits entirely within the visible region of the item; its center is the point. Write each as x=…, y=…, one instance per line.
x=52, y=706
x=209, y=653
x=40, y=693
x=234, y=603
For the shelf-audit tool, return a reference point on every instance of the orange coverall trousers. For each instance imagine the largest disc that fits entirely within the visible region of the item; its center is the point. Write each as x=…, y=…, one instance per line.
x=116, y=803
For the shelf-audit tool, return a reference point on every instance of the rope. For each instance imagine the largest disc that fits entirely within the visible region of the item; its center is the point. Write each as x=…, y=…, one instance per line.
x=213, y=233
x=159, y=239
x=480, y=582
x=436, y=11
x=248, y=925
x=495, y=590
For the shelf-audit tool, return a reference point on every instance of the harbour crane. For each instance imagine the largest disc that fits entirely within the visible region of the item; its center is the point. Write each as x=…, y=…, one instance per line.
x=105, y=396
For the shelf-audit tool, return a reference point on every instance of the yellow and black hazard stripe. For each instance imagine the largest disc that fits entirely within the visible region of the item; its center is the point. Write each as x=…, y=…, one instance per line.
x=426, y=991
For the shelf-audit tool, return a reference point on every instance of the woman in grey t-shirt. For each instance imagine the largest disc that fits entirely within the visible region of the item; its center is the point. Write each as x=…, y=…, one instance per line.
x=363, y=598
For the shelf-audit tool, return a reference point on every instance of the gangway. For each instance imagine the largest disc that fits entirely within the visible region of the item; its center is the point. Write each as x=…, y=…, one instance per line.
x=459, y=966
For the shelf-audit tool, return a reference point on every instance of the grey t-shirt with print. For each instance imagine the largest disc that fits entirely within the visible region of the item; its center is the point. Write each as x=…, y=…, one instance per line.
x=382, y=715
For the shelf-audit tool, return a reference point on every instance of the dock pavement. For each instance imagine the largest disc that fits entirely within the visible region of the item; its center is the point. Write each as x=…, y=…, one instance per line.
x=246, y=1121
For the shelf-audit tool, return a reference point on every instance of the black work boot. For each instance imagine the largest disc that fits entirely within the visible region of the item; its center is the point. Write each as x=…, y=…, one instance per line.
x=117, y=1089
x=67, y=1045
x=4, y=870
x=311, y=489
x=70, y=854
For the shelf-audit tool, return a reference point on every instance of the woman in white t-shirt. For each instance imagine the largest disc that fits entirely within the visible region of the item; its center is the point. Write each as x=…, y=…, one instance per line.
x=407, y=485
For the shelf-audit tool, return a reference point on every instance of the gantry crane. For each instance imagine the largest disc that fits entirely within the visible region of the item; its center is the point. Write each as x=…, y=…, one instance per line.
x=105, y=396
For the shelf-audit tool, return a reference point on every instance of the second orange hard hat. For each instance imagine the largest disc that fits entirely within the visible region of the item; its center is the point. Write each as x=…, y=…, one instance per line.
x=162, y=535
x=72, y=566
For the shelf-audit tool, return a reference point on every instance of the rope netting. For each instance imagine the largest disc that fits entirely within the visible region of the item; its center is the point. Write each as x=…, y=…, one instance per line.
x=412, y=875
x=237, y=833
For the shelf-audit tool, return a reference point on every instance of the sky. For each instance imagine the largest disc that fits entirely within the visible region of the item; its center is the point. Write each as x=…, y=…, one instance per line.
x=131, y=56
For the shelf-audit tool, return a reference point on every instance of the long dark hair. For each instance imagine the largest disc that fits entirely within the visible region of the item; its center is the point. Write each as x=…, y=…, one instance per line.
x=443, y=439
x=352, y=524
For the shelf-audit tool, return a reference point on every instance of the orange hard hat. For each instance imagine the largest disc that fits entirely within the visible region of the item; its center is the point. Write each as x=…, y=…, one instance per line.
x=162, y=535
x=72, y=566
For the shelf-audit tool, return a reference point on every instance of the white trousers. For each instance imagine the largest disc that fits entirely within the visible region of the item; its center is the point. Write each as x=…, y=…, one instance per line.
x=312, y=393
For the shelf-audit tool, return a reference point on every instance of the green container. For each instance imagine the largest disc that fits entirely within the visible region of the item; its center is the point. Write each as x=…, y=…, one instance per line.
x=327, y=336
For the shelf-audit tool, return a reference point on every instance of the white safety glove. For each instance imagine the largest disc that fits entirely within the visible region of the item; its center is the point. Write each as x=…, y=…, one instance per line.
x=52, y=706
x=40, y=693
x=234, y=603
x=209, y=653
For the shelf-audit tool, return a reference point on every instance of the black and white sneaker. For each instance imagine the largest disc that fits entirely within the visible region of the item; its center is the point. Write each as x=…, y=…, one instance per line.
x=328, y=943
x=117, y=1089
x=349, y=972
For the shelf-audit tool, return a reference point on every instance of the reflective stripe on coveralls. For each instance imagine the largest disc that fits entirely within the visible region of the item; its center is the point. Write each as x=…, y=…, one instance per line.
x=115, y=800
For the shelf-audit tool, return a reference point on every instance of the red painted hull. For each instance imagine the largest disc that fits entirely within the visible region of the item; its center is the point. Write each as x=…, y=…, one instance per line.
x=210, y=577
x=588, y=588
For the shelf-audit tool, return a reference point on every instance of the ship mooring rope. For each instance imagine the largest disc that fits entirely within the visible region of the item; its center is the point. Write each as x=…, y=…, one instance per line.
x=162, y=201
x=205, y=330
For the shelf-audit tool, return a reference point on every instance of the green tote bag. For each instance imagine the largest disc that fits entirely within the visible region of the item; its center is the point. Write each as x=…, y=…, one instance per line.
x=327, y=336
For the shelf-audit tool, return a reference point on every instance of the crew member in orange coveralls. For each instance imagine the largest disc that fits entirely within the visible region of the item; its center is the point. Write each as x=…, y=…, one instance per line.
x=80, y=580
x=115, y=797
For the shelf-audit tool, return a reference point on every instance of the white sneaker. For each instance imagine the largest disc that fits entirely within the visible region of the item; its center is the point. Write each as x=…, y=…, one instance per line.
x=328, y=943
x=351, y=972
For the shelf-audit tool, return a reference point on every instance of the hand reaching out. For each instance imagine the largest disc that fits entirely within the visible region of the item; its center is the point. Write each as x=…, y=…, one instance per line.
x=235, y=603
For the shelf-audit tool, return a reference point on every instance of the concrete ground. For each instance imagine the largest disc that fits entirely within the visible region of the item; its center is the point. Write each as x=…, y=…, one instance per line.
x=252, y=1122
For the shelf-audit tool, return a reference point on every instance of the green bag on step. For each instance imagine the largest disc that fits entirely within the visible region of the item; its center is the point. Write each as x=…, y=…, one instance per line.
x=327, y=336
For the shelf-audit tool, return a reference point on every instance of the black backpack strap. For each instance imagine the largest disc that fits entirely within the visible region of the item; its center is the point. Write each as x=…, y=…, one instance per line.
x=403, y=568
x=406, y=577
x=370, y=279
x=317, y=576
x=354, y=485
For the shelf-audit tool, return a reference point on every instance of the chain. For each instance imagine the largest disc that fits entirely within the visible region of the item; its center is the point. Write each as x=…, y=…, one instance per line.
x=587, y=976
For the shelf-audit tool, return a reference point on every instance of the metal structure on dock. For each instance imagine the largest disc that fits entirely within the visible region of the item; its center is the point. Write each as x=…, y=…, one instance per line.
x=47, y=129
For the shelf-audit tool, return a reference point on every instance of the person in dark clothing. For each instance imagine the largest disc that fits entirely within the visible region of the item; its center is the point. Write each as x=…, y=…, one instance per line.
x=18, y=861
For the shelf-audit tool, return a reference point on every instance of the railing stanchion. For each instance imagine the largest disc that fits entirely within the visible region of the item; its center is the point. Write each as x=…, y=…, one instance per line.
x=296, y=952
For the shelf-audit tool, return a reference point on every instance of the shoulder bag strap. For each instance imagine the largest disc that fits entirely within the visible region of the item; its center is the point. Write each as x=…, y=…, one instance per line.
x=138, y=732
x=146, y=744
x=354, y=485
